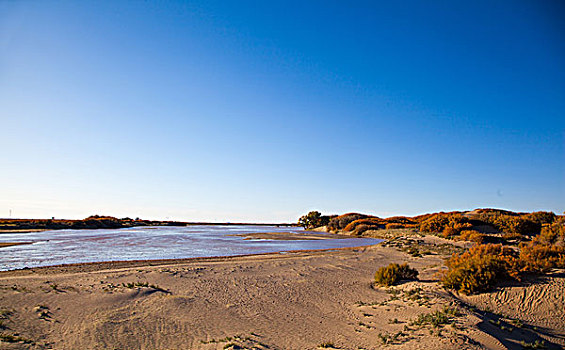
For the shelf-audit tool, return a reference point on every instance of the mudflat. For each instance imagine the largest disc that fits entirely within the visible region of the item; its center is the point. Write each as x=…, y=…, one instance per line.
x=295, y=300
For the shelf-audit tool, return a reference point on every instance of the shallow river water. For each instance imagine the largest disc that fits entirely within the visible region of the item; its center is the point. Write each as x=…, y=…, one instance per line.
x=140, y=243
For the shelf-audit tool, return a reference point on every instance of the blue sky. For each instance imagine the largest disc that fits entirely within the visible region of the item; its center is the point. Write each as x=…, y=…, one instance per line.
x=263, y=110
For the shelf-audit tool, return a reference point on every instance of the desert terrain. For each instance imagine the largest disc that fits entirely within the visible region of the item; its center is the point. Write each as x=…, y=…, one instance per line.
x=296, y=300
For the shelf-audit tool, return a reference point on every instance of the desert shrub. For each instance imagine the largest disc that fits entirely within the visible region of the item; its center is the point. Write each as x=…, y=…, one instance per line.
x=393, y=226
x=552, y=234
x=360, y=229
x=539, y=258
x=448, y=232
x=424, y=217
x=403, y=220
x=339, y=222
x=435, y=223
x=389, y=275
x=447, y=224
x=472, y=235
x=545, y=251
x=518, y=225
x=414, y=226
x=541, y=217
x=512, y=236
x=512, y=224
x=479, y=268
x=437, y=318
x=376, y=223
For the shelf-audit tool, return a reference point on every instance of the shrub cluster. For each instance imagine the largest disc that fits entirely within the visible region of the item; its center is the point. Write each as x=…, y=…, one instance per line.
x=340, y=222
x=374, y=223
x=545, y=251
x=389, y=275
x=479, y=268
x=448, y=224
x=392, y=226
x=552, y=234
x=540, y=258
x=541, y=217
x=513, y=225
x=472, y=235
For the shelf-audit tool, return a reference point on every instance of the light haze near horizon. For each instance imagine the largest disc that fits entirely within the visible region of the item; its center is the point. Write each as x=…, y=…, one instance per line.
x=251, y=111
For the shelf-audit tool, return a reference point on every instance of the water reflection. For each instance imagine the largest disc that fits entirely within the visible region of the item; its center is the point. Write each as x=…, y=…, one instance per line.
x=77, y=246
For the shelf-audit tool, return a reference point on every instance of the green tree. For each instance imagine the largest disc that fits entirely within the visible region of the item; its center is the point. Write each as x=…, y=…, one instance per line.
x=311, y=220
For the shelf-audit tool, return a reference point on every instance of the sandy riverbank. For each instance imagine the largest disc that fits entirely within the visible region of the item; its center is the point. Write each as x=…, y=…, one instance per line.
x=290, y=236
x=274, y=301
x=11, y=244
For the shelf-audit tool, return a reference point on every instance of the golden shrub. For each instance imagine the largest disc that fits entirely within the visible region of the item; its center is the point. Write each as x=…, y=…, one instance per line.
x=389, y=275
x=392, y=226
x=472, y=235
x=479, y=268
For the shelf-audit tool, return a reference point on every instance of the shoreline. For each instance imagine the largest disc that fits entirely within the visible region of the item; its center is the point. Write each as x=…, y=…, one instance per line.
x=107, y=222
x=11, y=244
x=118, y=264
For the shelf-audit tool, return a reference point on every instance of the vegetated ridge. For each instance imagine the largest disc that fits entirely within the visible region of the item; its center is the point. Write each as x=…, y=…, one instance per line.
x=505, y=245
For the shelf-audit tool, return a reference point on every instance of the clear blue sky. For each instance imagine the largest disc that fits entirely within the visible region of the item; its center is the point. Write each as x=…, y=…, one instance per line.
x=263, y=110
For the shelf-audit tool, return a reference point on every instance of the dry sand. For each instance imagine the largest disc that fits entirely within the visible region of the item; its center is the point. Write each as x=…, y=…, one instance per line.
x=296, y=300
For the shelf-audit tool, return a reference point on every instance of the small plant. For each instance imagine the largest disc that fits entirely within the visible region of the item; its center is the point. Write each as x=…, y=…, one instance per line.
x=132, y=285
x=4, y=314
x=9, y=338
x=436, y=318
x=415, y=252
x=389, y=275
x=496, y=323
x=535, y=345
x=43, y=312
x=390, y=338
